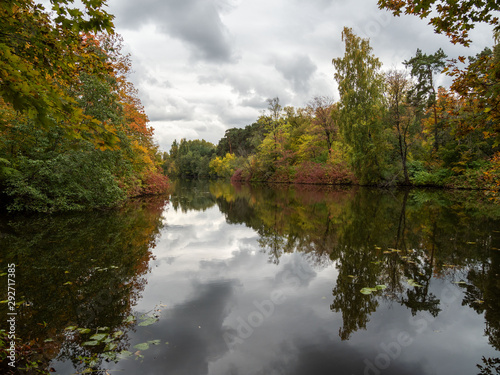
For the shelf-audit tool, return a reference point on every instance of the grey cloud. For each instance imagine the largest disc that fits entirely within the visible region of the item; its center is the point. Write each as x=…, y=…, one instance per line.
x=196, y=22
x=298, y=70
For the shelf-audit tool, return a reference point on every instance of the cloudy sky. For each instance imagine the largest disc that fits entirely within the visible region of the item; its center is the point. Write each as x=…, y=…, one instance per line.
x=203, y=66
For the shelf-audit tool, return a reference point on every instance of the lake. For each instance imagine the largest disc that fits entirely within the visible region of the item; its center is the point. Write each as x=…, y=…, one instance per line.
x=237, y=279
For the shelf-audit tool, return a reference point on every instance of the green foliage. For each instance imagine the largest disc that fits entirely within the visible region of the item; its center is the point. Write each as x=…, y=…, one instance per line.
x=191, y=158
x=361, y=108
x=40, y=55
x=66, y=182
x=108, y=154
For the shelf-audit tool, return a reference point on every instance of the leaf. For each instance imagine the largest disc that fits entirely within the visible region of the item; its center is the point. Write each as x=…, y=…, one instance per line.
x=125, y=354
x=413, y=283
x=381, y=287
x=129, y=319
x=98, y=336
x=68, y=283
x=147, y=322
x=142, y=346
x=118, y=334
x=154, y=342
x=84, y=330
x=366, y=290
x=70, y=328
x=110, y=346
x=90, y=343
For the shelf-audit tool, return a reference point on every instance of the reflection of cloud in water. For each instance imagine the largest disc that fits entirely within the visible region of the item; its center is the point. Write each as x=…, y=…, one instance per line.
x=194, y=331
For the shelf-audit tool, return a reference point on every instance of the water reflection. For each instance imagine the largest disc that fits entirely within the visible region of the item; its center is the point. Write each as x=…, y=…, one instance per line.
x=81, y=270
x=268, y=280
x=380, y=238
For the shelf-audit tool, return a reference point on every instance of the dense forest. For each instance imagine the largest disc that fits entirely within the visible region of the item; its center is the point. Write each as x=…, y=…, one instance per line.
x=74, y=134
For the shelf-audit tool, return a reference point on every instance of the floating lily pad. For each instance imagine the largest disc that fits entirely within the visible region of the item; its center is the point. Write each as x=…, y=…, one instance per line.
x=90, y=343
x=125, y=354
x=142, y=346
x=110, y=346
x=148, y=321
x=118, y=334
x=154, y=342
x=412, y=282
x=98, y=336
x=368, y=290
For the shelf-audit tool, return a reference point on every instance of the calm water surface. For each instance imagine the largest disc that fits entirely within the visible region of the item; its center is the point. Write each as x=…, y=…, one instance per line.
x=226, y=279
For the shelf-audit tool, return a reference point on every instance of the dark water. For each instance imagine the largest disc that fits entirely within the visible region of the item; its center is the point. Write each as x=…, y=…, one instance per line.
x=263, y=280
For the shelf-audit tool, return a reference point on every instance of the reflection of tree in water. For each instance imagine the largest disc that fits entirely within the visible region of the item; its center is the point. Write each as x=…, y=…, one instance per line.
x=376, y=237
x=84, y=270
x=186, y=195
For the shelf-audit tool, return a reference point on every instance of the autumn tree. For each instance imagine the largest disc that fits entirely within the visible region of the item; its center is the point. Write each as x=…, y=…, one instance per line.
x=455, y=18
x=423, y=95
x=401, y=114
x=361, y=107
x=40, y=55
x=324, y=110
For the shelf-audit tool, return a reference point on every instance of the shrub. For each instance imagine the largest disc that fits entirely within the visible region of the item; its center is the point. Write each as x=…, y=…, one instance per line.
x=66, y=182
x=315, y=173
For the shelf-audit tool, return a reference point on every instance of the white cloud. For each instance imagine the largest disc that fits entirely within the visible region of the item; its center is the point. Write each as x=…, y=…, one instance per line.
x=203, y=66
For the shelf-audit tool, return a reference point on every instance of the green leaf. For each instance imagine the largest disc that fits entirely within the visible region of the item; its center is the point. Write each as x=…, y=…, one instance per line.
x=90, y=343
x=366, y=290
x=125, y=354
x=381, y=287
x=142, y=346
x=70, y=328
x=154, y=342
x=147, y=322
x=110, y=346
x=98, y=336
x=118, y=334
x=84, y=330
x=413, y=283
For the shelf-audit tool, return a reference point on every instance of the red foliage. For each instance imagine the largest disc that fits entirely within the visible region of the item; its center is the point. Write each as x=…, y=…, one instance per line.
x=315, y=173
x=155, y=183
x=240, y=175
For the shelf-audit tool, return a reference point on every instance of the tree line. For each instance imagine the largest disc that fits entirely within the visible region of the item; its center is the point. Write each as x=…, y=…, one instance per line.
x=73, y=132
x=390, y=127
